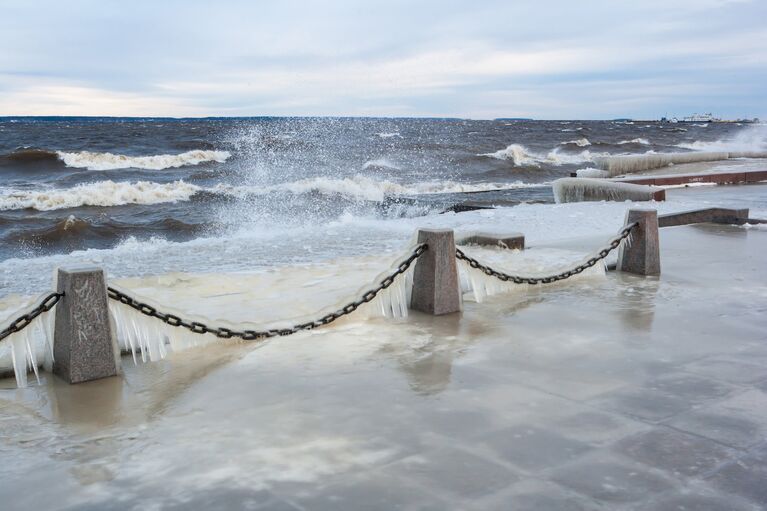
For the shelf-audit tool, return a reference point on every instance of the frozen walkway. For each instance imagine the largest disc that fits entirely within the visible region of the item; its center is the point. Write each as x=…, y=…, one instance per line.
x=609, y=393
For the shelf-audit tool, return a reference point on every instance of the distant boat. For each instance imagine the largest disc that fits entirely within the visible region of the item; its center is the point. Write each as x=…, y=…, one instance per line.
x=701, y=118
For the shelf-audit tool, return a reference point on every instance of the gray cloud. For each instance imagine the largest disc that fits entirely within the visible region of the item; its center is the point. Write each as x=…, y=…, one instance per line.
x=547, y=59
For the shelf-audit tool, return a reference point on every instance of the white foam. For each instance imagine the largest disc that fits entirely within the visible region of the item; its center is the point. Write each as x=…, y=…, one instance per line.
x=108, y=161
x=522, y=156
x=366, y=188
x=581, y=142
x=110, y=193
x=102, y=193
x=380, y=163
x=638, y=141
x=389, y=135
x=751, y=139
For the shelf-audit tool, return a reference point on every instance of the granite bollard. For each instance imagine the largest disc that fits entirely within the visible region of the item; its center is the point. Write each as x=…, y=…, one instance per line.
x=436, y=289
x=643, y=255
x=84, y=343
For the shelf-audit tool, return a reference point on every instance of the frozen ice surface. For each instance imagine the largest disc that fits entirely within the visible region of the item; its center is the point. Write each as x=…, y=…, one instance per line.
x=612, y=392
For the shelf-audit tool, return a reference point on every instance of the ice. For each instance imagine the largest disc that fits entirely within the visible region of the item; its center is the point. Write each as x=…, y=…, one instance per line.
x=478, y=285
x=618, y=165
x=149, y=339
x=30, y=348
x=581, y=189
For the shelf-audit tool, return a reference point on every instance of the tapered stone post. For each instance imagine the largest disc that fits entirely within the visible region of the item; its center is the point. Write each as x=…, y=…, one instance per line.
x=84, y=344
x=436, y=289
x=643, y=256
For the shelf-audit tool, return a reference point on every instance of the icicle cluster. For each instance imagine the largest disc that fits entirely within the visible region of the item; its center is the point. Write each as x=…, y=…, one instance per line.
x=481, y=285
x=394, y=301
x=32, y=347
x=150, y=339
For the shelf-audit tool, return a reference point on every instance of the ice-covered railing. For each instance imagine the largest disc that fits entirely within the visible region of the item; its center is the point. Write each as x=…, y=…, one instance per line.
x=95, y=322
x=482, y=280
x=146, y=327
x=627, y=164
x=29, y=337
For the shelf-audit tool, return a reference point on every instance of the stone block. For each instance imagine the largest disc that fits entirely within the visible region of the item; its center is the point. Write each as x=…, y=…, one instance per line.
x=436, y=289
x=84, y=344
x=642, y=256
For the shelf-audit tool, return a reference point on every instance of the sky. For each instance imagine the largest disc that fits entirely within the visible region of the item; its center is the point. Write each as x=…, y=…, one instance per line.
x=545, y=59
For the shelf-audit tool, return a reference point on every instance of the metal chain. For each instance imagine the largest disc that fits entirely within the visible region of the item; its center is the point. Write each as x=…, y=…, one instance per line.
x=250, y=335
x=24, y=320
x=624, y=233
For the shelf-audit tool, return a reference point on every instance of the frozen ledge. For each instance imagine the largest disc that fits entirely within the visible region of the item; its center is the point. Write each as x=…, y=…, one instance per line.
x=570, y=189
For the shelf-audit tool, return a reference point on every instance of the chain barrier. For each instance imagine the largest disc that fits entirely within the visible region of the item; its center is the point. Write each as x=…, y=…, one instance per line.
x=516, y=279
x=24, y=320
x=251, y=335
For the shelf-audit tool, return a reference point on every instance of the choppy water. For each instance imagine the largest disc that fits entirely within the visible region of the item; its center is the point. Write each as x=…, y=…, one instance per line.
x=125, y=186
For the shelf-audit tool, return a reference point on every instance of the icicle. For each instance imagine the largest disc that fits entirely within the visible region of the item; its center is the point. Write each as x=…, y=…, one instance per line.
x=18, y=358
x=31, y=356
x=47, y=325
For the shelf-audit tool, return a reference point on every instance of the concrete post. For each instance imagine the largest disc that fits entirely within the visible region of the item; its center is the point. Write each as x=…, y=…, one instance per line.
x=436, y=289
x=84, y=344
x=643, y=256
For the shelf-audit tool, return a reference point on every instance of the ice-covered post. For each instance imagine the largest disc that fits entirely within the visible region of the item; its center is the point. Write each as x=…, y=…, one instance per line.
x=642, y=256
x=436, y=289
x=84, y=346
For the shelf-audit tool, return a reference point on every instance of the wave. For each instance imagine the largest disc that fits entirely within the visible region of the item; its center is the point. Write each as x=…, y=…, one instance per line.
x=108, y=161
x=27, y=155
x=365, y=188
x=523, y=157
x=73, y=229
x=102, y=193
x=380, y=164
x=753, y=139
x=581, y=142
x=109, y=193
x=635, y=141
x=389, y=135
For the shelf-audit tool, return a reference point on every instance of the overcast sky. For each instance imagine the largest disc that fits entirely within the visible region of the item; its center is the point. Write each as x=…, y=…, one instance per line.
x=472, y=58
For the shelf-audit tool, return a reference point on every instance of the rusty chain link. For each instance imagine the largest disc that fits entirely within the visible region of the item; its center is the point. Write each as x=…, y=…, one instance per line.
x=250, y=335
x=24, y=320
x=624, y=233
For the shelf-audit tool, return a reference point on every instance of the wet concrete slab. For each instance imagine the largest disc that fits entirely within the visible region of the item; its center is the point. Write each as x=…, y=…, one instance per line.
x=615, y=392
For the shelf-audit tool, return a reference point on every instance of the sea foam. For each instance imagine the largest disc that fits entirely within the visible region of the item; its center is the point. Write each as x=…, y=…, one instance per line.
x=108, y=161
x=102, y=193
x=521, y=156
x=110, y=193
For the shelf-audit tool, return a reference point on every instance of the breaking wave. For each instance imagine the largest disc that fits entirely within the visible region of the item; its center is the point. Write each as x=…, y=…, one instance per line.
x=102, y=193
x=110, y=193
x=365, y=188
x=581, y=142
x=523, y=157
x=380, y=164
x=74, y=229
x=108, y=161
x=751, y=140
x=27, y=155
x=636, y=141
